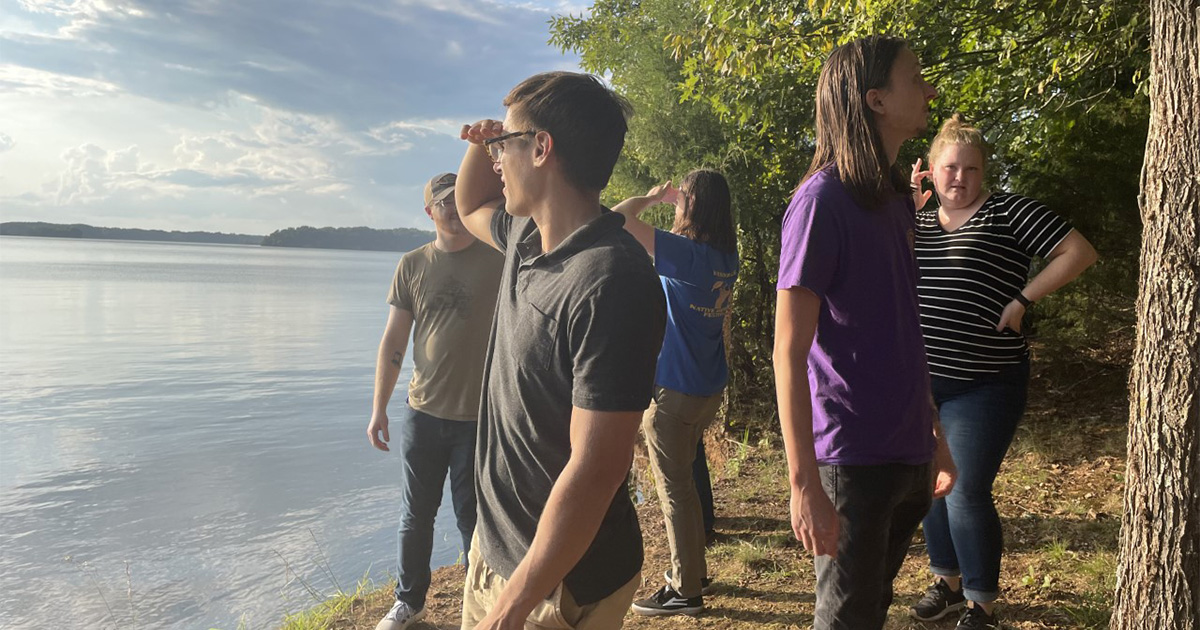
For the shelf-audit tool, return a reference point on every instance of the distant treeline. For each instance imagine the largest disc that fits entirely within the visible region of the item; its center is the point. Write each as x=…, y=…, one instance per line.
x=394, y=240
x=79, y=230
x=363, y=238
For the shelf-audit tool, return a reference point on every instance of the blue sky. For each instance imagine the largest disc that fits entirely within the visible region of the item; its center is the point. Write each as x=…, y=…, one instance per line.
x=250, y=115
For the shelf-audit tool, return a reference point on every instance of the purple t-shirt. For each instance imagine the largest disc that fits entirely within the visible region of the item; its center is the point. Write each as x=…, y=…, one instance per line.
x=866, y=367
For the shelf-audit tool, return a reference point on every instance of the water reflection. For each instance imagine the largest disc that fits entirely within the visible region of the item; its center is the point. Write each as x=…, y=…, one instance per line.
x=182, y=432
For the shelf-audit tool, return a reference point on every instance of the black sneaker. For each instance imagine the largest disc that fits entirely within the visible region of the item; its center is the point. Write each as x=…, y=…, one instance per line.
x=667, y=602
x=976, y=619
x=706, y=584
x=938, y=602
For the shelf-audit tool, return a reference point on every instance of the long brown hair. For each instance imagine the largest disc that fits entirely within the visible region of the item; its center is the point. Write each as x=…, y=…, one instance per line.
x=847, y=136
x=707, y=216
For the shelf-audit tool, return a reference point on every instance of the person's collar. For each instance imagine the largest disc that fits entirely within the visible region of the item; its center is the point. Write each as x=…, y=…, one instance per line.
x=530, y=248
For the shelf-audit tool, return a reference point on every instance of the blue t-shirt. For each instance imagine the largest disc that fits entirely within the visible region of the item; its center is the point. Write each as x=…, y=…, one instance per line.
x=698, y=281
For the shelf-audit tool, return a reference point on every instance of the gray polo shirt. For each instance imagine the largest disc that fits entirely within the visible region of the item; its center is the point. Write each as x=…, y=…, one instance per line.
x=579, y=326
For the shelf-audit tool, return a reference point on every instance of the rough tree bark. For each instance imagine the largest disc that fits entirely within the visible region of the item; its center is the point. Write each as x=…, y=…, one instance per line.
x=1158, y=578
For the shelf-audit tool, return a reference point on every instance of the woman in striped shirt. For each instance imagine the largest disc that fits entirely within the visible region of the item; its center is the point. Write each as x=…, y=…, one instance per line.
x=973, y=253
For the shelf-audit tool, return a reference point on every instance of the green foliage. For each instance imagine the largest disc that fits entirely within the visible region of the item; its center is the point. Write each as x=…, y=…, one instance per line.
x=79, y=230
x=364, y=238
x=327, y=612
x=1087, y=168
x=1058, y=87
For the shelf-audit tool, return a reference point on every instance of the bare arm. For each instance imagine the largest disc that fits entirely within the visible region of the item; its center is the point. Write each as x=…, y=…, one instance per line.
x=814, y=521
x=387, y=370
x=601, y=453
x=634, y=206
x=1066, y=261
x=478, y=192
x=945, y=472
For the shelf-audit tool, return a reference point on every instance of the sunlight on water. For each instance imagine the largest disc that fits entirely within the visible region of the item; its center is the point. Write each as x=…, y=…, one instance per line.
x=183, y=432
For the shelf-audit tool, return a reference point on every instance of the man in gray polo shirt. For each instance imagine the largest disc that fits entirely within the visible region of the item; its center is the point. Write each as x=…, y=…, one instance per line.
x=570, y=366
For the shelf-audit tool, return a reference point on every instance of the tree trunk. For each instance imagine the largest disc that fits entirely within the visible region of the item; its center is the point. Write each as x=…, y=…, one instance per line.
x=1158, y=578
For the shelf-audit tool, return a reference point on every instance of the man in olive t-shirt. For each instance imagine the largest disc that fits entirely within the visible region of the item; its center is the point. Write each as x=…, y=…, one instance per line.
x=445, y=293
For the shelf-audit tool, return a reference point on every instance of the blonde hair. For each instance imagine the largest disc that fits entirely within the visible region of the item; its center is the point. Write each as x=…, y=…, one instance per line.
x=956, y=130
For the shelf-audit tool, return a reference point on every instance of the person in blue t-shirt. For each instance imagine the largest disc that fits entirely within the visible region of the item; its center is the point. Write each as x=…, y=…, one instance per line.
x=697, y=262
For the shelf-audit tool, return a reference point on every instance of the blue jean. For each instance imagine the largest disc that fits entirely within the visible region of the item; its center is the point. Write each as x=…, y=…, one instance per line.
x=430, y=447
x=962, y=531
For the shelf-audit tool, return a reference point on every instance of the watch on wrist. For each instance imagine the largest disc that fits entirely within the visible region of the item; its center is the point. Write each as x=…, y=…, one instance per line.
x=1020, y=297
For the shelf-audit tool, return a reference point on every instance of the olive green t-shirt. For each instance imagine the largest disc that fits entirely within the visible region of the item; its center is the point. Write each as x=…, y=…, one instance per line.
x=452, y=296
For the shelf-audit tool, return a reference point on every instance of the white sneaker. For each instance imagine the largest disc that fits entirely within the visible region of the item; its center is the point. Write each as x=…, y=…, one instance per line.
x=401, y=616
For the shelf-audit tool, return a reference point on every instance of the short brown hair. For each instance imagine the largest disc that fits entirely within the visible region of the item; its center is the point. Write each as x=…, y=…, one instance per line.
x=586, y=119
x=847, y=136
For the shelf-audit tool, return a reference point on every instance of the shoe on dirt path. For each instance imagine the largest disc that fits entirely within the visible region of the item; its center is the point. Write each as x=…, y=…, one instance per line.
x=400, y=617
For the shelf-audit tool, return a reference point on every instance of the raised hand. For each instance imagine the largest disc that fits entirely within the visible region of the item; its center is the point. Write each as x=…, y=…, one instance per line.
x=919, y=197
x=482, y=130
x=663, y=193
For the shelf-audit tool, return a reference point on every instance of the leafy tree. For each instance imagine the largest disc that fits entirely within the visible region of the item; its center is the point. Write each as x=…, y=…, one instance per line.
x=729, y=84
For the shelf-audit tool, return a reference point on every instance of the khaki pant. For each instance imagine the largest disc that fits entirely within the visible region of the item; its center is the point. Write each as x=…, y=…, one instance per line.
x=559, y=612
x=674, y=424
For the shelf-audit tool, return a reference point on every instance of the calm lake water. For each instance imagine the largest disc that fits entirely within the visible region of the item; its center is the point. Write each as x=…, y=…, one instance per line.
x=183, y=433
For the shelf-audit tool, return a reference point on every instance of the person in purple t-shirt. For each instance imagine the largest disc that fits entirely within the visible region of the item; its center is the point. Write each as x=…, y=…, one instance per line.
x=864, y=450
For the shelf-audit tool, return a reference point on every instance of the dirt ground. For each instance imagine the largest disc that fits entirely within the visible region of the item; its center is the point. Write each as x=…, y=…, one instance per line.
x=1059, y=495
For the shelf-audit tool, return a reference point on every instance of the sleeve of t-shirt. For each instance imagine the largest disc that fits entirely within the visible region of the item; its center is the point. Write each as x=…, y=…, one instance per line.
x=680, y=258
x=1038, y=230
x=501, y=227
x=615, y=336
x=400, y=294
x=809, y=246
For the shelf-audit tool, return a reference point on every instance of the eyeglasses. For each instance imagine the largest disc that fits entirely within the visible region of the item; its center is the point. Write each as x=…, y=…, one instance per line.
x=495, y=146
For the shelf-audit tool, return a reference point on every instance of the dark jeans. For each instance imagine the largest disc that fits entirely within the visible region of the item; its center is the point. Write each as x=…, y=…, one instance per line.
x=879, y=509
x=704, y=487
x=429, y=447
x=962, y=531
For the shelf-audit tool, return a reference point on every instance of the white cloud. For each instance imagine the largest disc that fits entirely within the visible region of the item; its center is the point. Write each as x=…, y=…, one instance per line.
x=405, y=135
x=87, y=175
x=79, y=14
x=283, y=153
x=6, y=142
x=31, y=81
x=250, y=115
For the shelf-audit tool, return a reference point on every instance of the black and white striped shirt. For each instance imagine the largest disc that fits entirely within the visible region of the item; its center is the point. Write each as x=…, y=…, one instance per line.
x=969, y=275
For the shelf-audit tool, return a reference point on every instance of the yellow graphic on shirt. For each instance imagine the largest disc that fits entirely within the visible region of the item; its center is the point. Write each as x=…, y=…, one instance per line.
x=720, y=307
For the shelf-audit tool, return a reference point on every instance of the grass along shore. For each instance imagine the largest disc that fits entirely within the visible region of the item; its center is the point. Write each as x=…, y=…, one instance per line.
x=1058, y=494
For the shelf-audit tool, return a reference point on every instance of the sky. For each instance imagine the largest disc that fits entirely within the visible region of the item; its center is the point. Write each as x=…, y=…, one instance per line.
x=251, y=115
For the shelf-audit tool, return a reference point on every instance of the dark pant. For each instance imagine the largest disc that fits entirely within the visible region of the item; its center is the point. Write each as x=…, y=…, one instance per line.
x=962, y=531
x=704, y=487
x=879, y=509
x=429, y=447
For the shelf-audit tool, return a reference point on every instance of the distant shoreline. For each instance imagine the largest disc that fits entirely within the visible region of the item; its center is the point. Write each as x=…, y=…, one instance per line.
x=354, y=238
